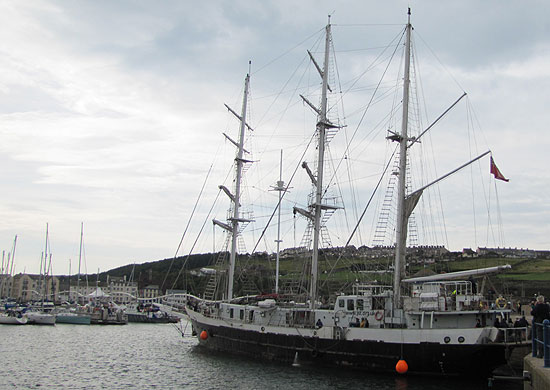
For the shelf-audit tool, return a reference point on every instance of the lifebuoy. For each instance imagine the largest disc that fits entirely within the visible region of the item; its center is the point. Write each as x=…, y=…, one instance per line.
x=500, y=302
x=379, y=315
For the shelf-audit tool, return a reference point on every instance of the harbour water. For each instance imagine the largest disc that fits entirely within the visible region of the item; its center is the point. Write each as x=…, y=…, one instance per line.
x=156, y=356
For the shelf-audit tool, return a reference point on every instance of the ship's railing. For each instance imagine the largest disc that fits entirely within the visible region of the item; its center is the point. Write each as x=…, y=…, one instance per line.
x=294, y=317
x=513, y=335
x=541, y=341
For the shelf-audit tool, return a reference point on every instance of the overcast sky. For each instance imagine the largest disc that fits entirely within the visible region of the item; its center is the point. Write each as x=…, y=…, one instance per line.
x=111, y=112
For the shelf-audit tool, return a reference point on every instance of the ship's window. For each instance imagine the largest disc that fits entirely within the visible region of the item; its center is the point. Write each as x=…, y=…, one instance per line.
x=241, y=314
x=350, y=304
x=341, y=303
x=251, y=316
x=359, y=304
x=231, y=313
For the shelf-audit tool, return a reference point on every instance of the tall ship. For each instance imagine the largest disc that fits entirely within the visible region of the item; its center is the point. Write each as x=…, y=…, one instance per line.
x=436, y=324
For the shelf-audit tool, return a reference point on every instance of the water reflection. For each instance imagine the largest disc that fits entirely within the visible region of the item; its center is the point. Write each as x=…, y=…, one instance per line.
x=401, y=383
x=155, y=356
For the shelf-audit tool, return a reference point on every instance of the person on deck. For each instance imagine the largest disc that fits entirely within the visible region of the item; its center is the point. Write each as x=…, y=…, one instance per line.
x=520, y=333
x=522, y=322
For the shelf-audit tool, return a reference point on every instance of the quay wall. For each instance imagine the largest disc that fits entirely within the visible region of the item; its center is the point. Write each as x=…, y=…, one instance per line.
x=540, y=376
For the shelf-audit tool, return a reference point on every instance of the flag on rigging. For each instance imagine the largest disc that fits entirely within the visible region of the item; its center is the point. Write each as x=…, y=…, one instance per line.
x=496, y=172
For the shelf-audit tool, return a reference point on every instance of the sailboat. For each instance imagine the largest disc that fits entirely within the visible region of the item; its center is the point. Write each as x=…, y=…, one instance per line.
x=40, y=313
x=426, y=325
x=74, y=315
x=13, y=318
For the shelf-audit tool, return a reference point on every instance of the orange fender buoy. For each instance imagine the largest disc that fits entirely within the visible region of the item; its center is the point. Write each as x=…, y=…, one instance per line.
x=204, y=335
x=401, y=367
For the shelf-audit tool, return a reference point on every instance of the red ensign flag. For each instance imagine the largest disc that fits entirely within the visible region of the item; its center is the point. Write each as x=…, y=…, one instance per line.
x=496, y=172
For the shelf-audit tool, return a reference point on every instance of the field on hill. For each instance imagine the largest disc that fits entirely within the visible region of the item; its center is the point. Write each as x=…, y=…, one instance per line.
x=526, y=278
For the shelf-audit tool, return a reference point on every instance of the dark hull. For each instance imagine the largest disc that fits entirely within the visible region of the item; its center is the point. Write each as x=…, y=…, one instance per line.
x=102, y=318
x=422, y=358
x=151, y=320
x=108, y=322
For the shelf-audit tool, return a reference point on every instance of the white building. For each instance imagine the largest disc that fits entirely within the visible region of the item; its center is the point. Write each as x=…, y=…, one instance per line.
x=121, y=290
x=150, y=292
x=81, y=292
x=175, y=298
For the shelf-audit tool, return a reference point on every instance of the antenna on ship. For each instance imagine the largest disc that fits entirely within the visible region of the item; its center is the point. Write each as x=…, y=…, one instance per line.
x=280, y=187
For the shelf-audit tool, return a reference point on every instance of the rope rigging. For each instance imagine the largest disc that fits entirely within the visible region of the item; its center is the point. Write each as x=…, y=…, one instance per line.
x=381, y=92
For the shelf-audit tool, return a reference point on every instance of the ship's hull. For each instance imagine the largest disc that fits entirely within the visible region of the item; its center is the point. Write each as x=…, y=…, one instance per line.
x=422, y=358
x=37, y=318
x=142, y=318
x=11, y=320
x=73, y=318
x=107, y=317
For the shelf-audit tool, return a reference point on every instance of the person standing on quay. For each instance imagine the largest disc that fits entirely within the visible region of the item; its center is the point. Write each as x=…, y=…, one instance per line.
x=540, y=312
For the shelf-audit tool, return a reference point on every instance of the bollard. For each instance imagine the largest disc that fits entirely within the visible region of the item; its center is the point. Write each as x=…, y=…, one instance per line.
x=546, y=339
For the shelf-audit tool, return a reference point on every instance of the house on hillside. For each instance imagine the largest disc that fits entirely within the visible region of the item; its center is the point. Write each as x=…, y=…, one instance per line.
x=207, y=271
x=468, y=253
x=507, y=252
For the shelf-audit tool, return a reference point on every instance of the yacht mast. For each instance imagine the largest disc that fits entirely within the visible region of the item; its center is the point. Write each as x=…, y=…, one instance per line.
x=13, y=251
x=43, y=284
x=237, y=196
x=401, y=225
x=69, y=280
x=79, y=263
x=321, y=126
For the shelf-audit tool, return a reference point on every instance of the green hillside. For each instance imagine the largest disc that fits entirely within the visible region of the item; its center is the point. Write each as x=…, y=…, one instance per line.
x=526, y=278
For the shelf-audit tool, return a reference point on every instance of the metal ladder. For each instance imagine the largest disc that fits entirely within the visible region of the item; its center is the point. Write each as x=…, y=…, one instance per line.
x=387, y=210
x=212, y=285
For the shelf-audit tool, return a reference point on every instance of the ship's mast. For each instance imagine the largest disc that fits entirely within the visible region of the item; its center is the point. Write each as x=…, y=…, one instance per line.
x=402, y=220
x=321, y=127
x=280, y=188
x=237, y=196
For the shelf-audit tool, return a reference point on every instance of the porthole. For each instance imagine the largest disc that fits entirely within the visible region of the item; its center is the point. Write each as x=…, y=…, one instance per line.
x=461, y=339
x=447, y=339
